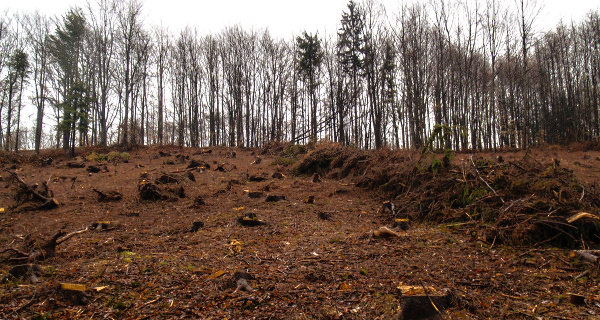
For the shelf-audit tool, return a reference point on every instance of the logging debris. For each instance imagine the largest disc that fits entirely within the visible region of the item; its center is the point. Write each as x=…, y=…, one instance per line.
x=197, y=225
x=525, y=201
x=149, y=191
x=194, y=163
x=255, y=194
x=28, y=272
x=274, y=198
x=43, y=249
x=32, y=197
x=108, y=196
x=250, y=220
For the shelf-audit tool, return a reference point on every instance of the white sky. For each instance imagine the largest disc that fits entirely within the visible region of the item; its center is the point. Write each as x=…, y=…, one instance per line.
x=283, y=18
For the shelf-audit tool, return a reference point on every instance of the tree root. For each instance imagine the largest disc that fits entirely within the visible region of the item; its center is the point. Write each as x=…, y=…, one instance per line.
x=46, y=250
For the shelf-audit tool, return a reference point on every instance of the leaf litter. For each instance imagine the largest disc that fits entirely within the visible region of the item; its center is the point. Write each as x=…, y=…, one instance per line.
x=476, y=237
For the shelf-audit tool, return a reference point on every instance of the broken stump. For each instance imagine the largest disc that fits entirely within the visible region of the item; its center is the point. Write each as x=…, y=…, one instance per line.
x=190, y=176
x=107, y=196
x=277, y=175
x=310, y=200
x=255, y=195
x=250, y=220
x=178, y=191
x=199, y=201
x=197, y=225
x=198, y=164
x=256, y=179
x=93, y=169
x=74, y=293
x=29, y=272
x=316, y=178
x=76, y=164
x=149, y=191
x=273, y=198
x=324, y=215
x=166, y=179
x=422, y=307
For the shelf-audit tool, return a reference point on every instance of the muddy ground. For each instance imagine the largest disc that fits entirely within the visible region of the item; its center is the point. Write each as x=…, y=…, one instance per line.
x=169, y=233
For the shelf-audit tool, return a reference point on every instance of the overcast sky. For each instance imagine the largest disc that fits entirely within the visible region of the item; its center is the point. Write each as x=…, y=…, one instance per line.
x=283, y=18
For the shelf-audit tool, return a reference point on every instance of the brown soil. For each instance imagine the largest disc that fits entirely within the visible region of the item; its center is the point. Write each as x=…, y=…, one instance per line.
x=171, y=231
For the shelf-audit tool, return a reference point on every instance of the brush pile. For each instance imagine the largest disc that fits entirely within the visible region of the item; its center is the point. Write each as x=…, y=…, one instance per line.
x=521, y=202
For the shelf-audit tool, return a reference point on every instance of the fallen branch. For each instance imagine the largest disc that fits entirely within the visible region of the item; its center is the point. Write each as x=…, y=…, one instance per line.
x=70, y=235
x=25, y=305
x=588, y=255
x=108, y=195
x=487, y=184
x=187, y=169
x=582, y=215
x=581, y=275
x=431, y=300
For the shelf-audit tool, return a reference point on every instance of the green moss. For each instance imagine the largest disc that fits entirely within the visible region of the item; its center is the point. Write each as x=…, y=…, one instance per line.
x=295, y=150
x=519, y=186
x=42, y=316
x=482, y=163
x=111, y=156
x=283, y=161
x=98, y=157
x=118, y=156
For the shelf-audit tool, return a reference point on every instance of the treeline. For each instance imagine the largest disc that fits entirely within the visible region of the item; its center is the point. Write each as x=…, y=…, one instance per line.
x=478, y=70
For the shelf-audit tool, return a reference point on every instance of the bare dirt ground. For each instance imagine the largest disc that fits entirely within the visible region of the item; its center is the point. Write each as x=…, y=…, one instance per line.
x=186, y=251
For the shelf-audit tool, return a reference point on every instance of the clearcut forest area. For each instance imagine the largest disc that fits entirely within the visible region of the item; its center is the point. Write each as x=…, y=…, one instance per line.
x=300, y=232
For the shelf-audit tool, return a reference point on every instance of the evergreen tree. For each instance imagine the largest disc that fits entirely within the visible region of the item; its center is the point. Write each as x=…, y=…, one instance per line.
x=66, y=47
x=351, y=49
x=76, y=106
x=18, y=66
x=310, y=56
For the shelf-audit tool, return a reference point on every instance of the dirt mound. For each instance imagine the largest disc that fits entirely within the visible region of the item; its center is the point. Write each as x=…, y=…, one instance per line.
x=516, y=202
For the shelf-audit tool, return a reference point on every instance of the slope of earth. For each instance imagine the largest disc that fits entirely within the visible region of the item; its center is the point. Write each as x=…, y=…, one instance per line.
x=177, y=245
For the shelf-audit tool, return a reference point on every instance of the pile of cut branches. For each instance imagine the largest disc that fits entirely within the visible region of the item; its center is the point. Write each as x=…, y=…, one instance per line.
x=516, y=202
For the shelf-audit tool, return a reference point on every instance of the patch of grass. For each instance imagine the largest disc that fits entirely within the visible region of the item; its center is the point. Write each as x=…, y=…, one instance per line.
x=116, y=304
x=436, y=165
x=128, y=254
x=42, y=316
x=295, y=150
x=469, y=196
x=98, y=157
x=50, y=271
x=148, y=271
x=483, y=163
x=110, y=157
x=283, y=161
x=118, y=156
